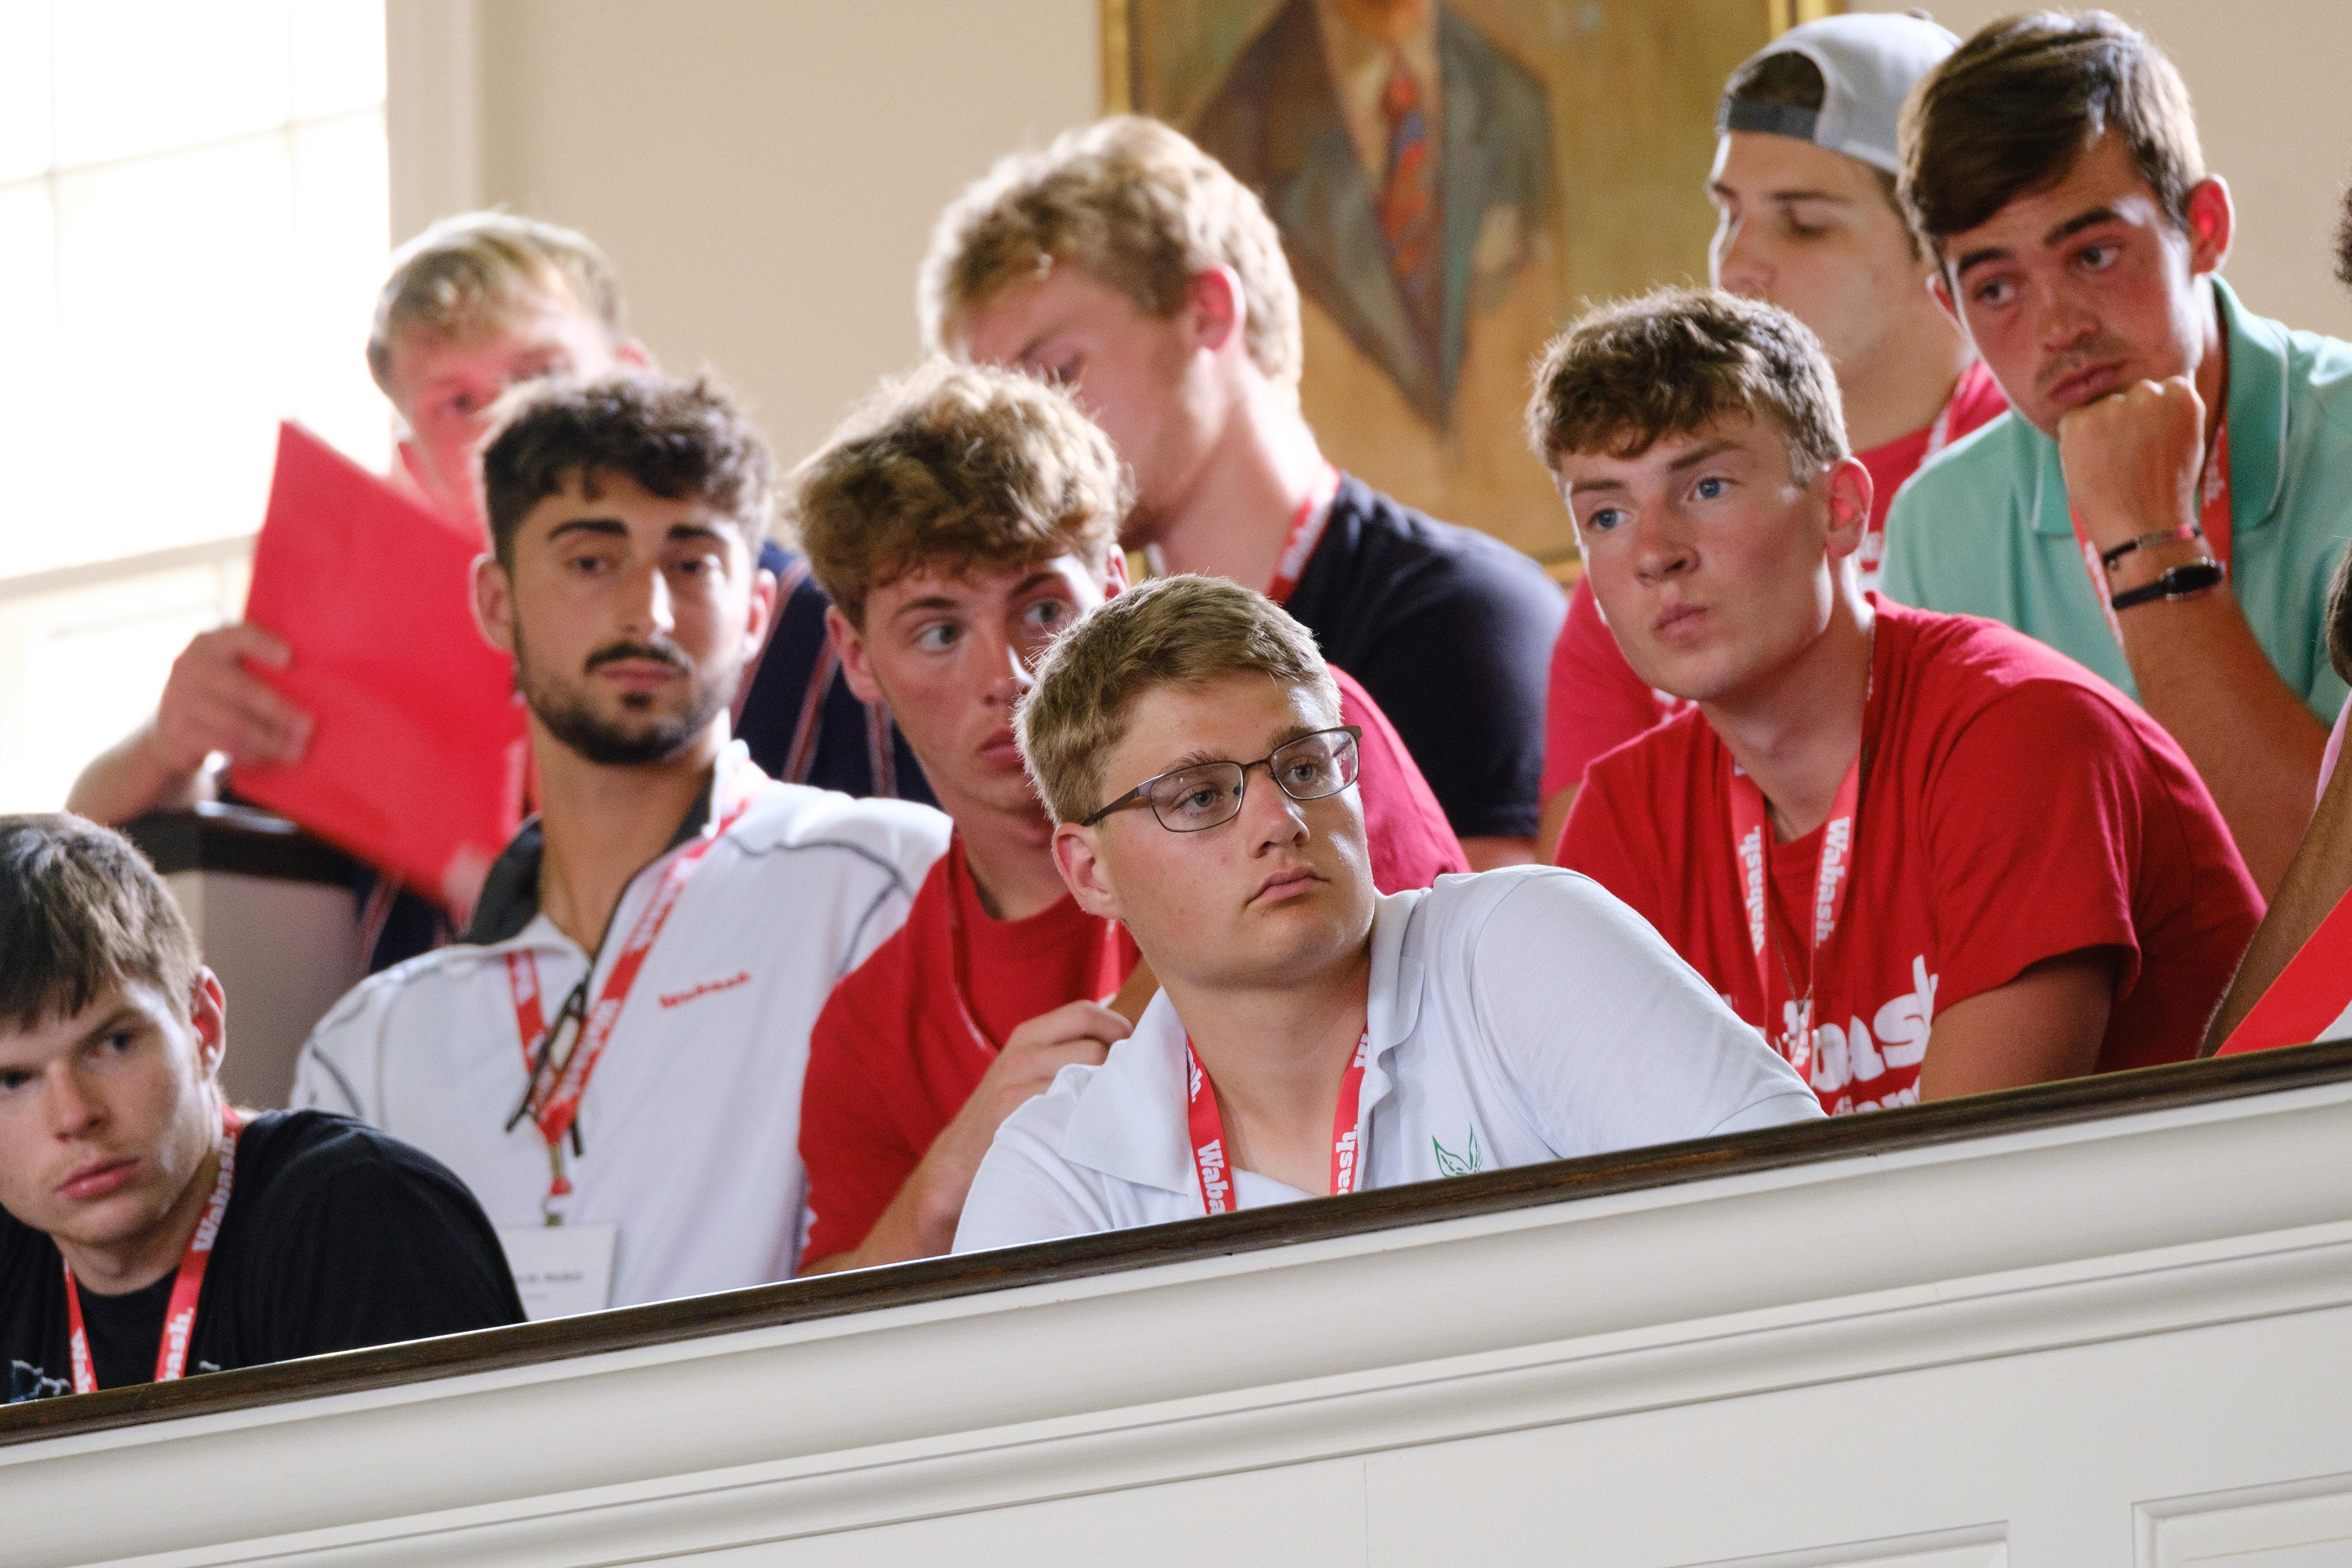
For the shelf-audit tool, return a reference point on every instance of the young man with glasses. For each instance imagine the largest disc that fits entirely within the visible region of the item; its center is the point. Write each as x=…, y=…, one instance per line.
x=612, y=1057
x=960, y=521
x=1313, y=1036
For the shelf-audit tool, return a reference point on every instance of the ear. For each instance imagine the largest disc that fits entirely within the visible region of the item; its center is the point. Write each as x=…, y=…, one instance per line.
x=762, y=608
x=208, y=1016
x=494, y=603
x=1940, y=287
x=634, y=355
x=1115, y=572
x=856, y=666
x=2212, y=225
x=1077, y=855
x=1849, y=499
x=1215, y=307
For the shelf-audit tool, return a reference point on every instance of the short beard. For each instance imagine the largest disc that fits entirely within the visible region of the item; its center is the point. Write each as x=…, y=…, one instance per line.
x=568, y=717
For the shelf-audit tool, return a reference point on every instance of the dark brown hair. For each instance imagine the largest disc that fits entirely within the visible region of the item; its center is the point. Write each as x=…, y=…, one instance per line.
x=82, y=913
x=1628, y=376
x=676, y=438
x=1794, y=82
x=2009, y=112
x=953, y=467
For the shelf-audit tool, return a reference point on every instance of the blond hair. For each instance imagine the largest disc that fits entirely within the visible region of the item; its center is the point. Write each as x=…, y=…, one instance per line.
x=1180, y=631
x=951, y=466
x=1130, y=202
x=1672, y=362
x=476, y=273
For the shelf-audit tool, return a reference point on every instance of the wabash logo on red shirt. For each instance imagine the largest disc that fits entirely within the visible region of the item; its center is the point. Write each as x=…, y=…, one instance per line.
x=1872, y=1066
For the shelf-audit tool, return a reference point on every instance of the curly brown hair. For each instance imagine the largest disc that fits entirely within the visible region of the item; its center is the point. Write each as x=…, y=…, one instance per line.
x=953, y=467
x=1673, y=363
x=674, y=437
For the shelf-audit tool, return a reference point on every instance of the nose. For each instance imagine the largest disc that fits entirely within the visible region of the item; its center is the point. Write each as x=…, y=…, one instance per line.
x=649, y=607
x=1274, y=821
x=1738, y=258
x=2061, y=317
x=1007, y=664
x=72, y=1111
x=1661, y=548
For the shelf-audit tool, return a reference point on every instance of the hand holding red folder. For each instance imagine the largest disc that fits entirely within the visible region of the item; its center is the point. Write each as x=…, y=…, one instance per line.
x=416, y=760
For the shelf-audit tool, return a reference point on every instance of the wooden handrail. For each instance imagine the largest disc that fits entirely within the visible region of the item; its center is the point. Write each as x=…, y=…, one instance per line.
x=2073, y=1102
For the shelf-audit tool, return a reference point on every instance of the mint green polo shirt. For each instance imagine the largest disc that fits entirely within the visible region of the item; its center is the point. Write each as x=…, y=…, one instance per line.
x=1983, y=529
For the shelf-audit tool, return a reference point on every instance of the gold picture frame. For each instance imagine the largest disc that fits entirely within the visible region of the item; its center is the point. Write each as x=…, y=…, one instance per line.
x=1573, y=143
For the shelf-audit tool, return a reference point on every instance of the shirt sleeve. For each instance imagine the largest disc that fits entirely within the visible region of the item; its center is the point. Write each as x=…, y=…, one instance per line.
x=1595, y=702
x=855, y=1157
x=2034, y=858
x=1617, y=1043
x=1461, y=677
x=326, y=1076
x=366, y=1241
x=1025, y=1191
x=1405, y=831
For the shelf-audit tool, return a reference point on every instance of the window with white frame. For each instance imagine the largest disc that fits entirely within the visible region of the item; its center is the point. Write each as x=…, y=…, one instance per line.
x=193, y=226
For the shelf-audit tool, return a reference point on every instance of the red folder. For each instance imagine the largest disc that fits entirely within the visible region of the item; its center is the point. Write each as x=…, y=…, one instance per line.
x=415, y=762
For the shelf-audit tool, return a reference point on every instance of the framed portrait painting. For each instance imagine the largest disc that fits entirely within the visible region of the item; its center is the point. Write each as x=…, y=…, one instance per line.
x=1452, y=179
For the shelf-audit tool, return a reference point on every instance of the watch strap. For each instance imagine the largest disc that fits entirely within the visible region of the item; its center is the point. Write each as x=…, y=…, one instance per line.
x=2178, y=583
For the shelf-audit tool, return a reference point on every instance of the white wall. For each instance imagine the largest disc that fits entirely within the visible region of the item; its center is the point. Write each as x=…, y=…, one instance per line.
x=2268, y=79
x=764, y=172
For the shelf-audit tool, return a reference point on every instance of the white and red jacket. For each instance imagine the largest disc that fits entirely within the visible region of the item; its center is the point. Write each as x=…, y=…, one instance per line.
x=690, y=1124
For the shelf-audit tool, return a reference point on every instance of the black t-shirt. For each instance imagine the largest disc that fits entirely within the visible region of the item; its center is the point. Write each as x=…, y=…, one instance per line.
x=337, y=1237
x=1450, y=631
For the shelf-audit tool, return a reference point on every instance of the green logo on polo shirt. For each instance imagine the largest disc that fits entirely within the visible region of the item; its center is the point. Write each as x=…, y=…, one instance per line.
x=1451, y=1164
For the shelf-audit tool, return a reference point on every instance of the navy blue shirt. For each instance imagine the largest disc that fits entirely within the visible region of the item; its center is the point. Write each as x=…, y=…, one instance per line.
x=1450, y=631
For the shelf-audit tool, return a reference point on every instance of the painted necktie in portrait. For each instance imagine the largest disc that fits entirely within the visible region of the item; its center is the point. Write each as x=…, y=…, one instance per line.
x=1449, y=177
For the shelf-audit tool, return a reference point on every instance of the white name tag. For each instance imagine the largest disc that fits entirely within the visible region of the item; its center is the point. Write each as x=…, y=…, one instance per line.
x=560, y=1270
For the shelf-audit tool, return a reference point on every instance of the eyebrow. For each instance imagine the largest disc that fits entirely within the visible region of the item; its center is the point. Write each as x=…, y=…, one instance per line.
x=1202, y=757
x=1719, y=188
x=111, y=1024
x=2062, y=232
x=1693, y=458
x=614, y=528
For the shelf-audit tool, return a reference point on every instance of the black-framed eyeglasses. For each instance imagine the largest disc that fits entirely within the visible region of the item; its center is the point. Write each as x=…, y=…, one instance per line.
x=1208, y=795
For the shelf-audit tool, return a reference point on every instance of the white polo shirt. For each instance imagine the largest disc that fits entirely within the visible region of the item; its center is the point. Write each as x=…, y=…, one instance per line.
x=1516, y=1017
x=691, y=1125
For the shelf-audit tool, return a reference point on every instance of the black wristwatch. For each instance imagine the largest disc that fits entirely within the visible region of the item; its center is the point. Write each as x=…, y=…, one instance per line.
x=2178, y=583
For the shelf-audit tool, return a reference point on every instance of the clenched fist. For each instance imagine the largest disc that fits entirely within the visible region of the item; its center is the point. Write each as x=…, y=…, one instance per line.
x=2132, y=459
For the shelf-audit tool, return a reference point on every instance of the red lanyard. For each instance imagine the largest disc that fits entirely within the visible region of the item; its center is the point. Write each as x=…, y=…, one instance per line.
x=1305, y=533
x=556, y=1107
x=1208, y=1129
x=1751, y=844
x=2312, y=995
x=960, y=948
x=180, y=1316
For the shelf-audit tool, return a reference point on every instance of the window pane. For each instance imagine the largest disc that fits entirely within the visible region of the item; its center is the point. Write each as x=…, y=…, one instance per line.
x=24, y=88
x=140, y=75
x=337, y=56
x=175, y=274
x=341, y=234
x=30, y=401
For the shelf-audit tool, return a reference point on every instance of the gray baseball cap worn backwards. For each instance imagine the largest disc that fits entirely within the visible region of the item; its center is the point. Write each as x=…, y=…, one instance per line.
x=1869, y=64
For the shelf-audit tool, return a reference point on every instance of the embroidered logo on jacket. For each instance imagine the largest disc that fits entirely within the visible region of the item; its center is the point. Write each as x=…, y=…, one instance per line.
x=1449, y=1163
x=681, y=998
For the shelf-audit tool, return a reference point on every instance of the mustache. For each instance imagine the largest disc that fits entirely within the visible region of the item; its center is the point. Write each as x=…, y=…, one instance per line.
x=650, y=652
x=2096, y=351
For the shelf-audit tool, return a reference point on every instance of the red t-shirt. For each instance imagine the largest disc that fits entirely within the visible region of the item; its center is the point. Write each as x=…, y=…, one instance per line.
x=891, y=1059
x=1596, y=702
x=2014, y=807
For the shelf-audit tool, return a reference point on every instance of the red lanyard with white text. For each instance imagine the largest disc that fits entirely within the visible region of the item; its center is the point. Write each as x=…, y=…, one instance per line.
x=1751, y=846
x=1305, y=533
x=180, y=1316
x=1208, y=1129
x=959, y=949
x=557, y=1107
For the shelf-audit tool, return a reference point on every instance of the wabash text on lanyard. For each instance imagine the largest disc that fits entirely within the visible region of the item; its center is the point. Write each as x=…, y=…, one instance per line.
x=553, y=1102
x=1751, y=848
x=1208, y=1129
x=1305, y=533
x=180, y=1316
x=1107, y=974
